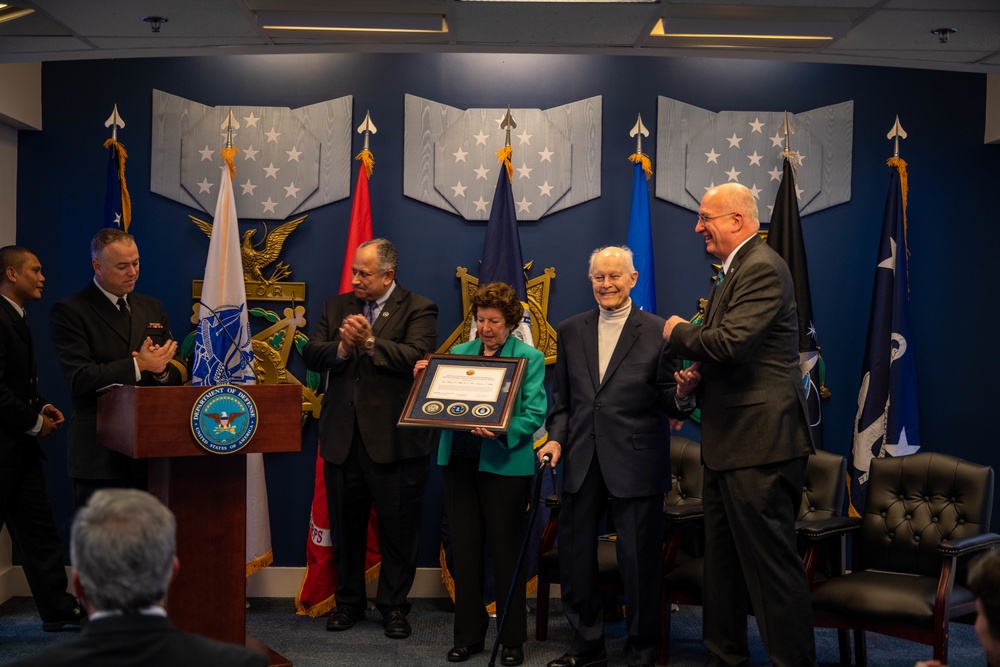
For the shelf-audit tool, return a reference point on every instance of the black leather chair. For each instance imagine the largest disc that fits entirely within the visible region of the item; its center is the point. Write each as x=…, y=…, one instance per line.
x=822, y=500
x=925, y=515
x=684, y=498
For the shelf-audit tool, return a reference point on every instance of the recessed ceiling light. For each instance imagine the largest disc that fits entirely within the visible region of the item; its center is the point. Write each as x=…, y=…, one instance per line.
x=734, y=30
x=352, y=22
x=10, y=12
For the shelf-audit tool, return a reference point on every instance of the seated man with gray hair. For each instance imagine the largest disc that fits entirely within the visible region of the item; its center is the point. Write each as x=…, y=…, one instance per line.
x=123, y=548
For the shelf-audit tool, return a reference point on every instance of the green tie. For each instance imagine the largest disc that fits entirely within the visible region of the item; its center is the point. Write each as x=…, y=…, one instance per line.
x=719, y=277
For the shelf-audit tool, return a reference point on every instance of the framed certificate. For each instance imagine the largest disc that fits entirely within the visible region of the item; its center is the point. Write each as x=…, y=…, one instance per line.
x=462, y=392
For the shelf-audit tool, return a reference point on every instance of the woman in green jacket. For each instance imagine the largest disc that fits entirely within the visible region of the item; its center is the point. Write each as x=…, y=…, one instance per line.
x=487, y=483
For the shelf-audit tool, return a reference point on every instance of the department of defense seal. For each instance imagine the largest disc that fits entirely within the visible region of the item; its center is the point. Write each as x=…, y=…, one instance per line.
x=224, y=419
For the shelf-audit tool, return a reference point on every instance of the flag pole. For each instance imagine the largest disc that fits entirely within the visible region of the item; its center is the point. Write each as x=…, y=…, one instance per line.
x=117, y=190
x=639, y=131
x=896, y=132
x=367, y=128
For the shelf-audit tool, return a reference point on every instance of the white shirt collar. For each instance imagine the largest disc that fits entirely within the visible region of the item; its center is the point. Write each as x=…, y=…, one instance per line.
x=729, y=260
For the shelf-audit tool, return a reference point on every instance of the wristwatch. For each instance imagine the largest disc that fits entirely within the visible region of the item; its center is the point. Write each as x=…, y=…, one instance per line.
x=369, y=344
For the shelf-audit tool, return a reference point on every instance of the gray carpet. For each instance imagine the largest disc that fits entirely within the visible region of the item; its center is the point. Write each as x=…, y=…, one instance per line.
x=306, y=643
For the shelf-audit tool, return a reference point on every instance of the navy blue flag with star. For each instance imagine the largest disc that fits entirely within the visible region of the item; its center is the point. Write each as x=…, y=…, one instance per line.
x=886, y=423
x=785, y=236
x=117, y=204
x=502, y=248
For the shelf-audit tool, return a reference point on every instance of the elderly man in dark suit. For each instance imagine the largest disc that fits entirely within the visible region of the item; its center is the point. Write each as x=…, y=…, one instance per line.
x=25, y=418
x=368, y=341
x=124, y=546
x=108, y=334
x=615, y=386
x=755, y=439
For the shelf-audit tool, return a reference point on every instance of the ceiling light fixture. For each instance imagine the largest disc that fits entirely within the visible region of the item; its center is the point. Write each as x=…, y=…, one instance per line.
x=352, y=22
x=579, y=2
x=10, y=12
x=738, y=32
x=155, y=22
x=943, y=34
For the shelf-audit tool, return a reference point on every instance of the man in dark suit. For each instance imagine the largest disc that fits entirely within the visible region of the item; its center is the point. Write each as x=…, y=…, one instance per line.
x=614, y=388
x=105, y=335
x=123, y=547
x=755, y=439
x=25, y=418
x=369, y=340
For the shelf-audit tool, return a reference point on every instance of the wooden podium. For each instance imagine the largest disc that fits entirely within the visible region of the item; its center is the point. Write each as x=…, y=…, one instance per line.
x=205, y=491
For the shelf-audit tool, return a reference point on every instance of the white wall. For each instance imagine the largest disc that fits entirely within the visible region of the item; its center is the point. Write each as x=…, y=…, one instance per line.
x=20, y=109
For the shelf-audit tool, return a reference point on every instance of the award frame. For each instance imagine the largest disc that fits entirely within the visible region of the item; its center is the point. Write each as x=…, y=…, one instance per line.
x=462, y=392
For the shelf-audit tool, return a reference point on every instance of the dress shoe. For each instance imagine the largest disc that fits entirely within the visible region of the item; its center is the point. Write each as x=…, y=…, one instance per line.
x=512, y=655
x=71, y=622
x=463, y=653
x=343, y=618
x=570, y=659
x=396, y=625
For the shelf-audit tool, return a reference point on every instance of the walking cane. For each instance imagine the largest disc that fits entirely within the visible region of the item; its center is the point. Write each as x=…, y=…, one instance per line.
x=524, y=547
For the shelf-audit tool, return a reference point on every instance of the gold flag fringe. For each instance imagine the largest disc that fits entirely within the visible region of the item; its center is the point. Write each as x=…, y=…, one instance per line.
x=259, y=563
x=446, y=578
x=643, y=159
x=368, y=160
x=228, y=154
x=319, y=609
x=503, y=155
x=904, y=183
x=120, y=156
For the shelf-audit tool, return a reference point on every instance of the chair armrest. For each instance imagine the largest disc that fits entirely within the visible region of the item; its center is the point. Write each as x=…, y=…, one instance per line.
x=968, y=545
x=823, y=528
x=685, y=511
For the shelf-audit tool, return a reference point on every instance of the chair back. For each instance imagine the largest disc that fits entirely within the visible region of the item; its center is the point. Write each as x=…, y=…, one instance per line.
x=825, y=487
x=914, y=502
x=686, y=473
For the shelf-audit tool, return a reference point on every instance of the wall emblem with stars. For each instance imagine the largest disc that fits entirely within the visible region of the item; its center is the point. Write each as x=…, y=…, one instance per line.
x=697, y=149
x=449, y=157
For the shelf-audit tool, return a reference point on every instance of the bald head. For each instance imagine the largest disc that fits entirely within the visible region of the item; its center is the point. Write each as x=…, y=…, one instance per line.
x=726, y=218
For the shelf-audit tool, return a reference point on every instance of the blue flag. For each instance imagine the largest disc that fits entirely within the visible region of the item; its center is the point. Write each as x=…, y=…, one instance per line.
x=502, y=249
x=886, y=423
x=640, y=242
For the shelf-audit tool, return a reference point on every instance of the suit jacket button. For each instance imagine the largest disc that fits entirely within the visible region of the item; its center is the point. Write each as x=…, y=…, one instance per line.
x=591, y=436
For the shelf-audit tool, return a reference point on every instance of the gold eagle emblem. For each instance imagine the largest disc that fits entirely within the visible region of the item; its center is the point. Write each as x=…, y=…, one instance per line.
x=255, y=259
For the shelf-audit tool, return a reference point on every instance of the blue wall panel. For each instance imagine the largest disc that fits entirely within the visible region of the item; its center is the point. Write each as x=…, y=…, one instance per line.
x=952, y=212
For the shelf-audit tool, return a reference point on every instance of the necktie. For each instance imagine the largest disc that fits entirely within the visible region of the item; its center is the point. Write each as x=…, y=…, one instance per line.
x=370, y=312
x=123, y=309
x=719, y=277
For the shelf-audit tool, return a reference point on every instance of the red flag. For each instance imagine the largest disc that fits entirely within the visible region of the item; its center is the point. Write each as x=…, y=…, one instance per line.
x=316, y=596
x=361, y=226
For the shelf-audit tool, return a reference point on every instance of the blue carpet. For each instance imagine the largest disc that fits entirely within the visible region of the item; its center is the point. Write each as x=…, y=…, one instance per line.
x=306, y=643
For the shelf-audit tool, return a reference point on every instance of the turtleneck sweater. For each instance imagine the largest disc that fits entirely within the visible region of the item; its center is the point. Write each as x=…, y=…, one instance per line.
x=609, y=329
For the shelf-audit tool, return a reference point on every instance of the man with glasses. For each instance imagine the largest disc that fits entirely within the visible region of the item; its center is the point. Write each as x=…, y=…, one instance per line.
x=615, y=387
x=368, y=341
x=755, y=439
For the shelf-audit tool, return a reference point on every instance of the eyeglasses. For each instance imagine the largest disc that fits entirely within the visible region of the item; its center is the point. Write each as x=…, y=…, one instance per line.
x=364, y=275
x=706, y=218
